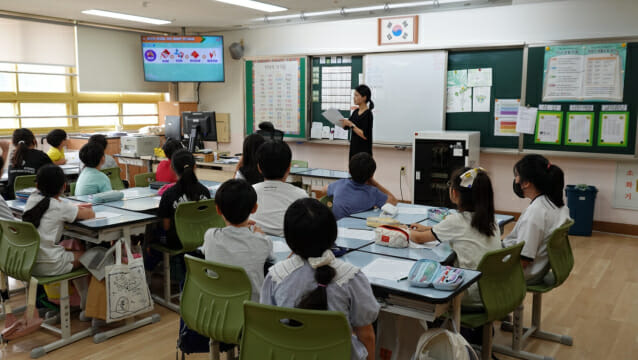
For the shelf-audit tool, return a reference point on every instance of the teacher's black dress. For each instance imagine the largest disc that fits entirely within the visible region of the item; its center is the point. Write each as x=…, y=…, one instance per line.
x=363, y=122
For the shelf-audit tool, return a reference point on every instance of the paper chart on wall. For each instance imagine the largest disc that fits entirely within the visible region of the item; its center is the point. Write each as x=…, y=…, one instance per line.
x=579, y=129
x=613, y=128
x=526, y=121
x=548, y=128
x=276, y=94
x=563, y=79
x=481, y=99
x=505, y=116
x=602, y=77
x=479, y=77
x=457, y=78
x=340, y=133
x=459, y=99
x=336, y=87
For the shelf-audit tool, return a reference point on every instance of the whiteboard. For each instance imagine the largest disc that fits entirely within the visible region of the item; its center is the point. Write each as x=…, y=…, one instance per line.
x=408, y=91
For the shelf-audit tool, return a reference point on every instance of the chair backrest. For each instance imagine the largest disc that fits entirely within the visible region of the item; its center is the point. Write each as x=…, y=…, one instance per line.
x=114, y=176
x=299, y=163
x=72, y=188
x=19, y=246
x=193, y=219
x=272, y=332
x=502, y=283
x=23, y=182
x=213, y=298
x=327, y=200
x=561, y=259
x=143, y=180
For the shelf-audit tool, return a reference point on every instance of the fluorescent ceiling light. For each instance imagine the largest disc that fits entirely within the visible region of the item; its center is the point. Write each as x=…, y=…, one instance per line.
x=121, y=16
x=255, y=5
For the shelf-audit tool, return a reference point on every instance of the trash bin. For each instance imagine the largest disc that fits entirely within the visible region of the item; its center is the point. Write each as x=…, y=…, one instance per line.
x=580, y=200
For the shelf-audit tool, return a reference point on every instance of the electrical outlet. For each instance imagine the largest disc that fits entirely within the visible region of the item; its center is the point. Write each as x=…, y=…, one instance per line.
x=402, y=170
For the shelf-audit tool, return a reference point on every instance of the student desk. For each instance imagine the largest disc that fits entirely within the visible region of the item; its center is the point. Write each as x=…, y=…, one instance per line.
x=282, y=251
x=71, y=171
x=441, y=253
x=217, y=170
x=129, y=194
x=321, y=177
x=420, y=303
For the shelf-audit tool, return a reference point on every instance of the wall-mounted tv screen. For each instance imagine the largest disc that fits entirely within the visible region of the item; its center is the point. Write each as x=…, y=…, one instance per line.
x=183, y=58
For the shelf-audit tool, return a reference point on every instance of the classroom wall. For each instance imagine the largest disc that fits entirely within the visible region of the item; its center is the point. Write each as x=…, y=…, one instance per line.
x=524, y=21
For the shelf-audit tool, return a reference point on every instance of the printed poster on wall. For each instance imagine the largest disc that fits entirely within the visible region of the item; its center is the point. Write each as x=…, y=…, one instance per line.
x=613, y=128
x=626, y=186
x=505, y=116
x=459, y=99
x=580, y=128
x=549, y=125
x=276, y=94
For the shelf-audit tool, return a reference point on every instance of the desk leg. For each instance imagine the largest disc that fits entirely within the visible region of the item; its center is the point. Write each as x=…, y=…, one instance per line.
x=456, y=312
x=130, y=323
x=149, y=165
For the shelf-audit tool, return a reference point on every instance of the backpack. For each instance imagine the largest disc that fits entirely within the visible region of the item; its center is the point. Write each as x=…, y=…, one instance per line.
x=441, y=344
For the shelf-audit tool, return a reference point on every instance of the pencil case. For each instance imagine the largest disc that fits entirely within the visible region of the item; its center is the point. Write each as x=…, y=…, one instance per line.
x=426, y=273
x=23, y=194
x=375, y=221
x=108, y=196
x=391, y=236
x=437, y=214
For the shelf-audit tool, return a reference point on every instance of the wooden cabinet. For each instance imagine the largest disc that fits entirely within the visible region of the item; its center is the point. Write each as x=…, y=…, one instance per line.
x=174, y=108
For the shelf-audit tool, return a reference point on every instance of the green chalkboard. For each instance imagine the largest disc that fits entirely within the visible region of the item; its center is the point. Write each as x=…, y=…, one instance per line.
x=278, y=84
x=318, y=64
x=507, y=70
x=535, y=70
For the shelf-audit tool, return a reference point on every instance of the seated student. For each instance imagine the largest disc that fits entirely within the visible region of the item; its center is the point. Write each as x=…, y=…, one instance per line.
x=5, y=211
x=542, y=182
x=274, y=195
x=187, y=188
x=239, y=243
x=472, y=231
x=91, y=180
x=164, y=171
x=57, y=140
x=26, y=159
x=314, y=279
x=48, y=213
x=361, y=192
x=109, y=161
x=247, y=168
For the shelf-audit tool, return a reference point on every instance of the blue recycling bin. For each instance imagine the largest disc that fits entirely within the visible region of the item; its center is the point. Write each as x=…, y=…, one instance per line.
x=581, y=200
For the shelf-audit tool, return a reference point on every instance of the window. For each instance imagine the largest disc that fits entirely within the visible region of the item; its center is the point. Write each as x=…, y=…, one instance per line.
x=37, y=79
x=85, y=110
x=7, y=109
x=44, y=109
x=7, y=80
x=148, y=112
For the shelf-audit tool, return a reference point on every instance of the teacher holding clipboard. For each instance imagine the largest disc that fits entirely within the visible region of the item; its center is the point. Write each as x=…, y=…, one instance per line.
x=360, y=122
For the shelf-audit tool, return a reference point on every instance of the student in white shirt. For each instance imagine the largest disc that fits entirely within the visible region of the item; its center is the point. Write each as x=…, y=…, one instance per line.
x=472, y=231
x=274, y=195
x=48, y=213
x=537, y=179
x=239, y=243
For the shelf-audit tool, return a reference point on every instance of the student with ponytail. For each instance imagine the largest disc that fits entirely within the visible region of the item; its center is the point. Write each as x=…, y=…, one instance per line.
x=360, y=122
x=26, y=159
x=472, y=231
x=543, y=183
x=314, y=279
x=48, y=213
x=187, y=188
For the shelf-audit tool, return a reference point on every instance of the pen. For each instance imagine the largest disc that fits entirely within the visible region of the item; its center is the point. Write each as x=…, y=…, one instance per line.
x=403, y=278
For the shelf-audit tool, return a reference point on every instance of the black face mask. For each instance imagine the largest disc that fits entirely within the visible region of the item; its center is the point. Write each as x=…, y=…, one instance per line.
x=517, y=189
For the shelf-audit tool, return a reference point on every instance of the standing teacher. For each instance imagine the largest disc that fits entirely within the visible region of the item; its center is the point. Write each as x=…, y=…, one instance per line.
x=360, y=122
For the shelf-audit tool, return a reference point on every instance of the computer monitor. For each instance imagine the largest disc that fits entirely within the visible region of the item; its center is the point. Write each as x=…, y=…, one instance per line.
x=199, y=127
x=173, y=127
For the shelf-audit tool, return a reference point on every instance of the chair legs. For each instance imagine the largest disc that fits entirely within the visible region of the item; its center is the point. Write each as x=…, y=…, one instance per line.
x=486, y=347
x=536, y=324
x=65, y=325
x=166, y=300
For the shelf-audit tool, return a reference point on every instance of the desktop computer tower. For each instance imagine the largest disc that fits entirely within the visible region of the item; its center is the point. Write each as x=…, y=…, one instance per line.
x=435, y=156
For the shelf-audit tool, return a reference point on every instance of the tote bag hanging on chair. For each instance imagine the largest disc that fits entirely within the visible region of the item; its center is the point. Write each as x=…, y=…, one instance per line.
x=126, y=288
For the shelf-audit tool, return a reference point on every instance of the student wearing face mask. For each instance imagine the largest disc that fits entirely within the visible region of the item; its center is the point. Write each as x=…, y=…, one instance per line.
x=537, y=179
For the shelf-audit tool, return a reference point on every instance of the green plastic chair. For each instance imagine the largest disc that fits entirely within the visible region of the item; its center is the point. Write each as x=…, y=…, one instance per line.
x=299, y=163
x=561, y=262
x=19, y=246
x=212, y=302
x=72, y=188
x=114, y=176
x=192, y=220
x=23, y=182
x=143, y=180
x=327, y=200
x=502, y=288
x=272, y=332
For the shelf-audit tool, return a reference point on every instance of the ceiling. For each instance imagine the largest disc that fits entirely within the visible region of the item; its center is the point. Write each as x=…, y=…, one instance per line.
x=196, y=15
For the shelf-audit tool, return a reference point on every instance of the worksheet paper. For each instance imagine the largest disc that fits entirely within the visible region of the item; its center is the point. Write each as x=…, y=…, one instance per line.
x=280, y=247
x=102, y=215
x=355, y=234
x=612, y=128
x=389, y=269
x=412, y=210
x=457, y=78
x=333, y=115
x=579, y=129
x=479, y=77
x=481, y=99
x=340, y=133
x=526, y=120
x=548, y=128
x=427, y=245
x=459, y=99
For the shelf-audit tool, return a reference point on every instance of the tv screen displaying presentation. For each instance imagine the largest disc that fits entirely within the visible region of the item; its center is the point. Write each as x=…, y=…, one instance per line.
x=183, y=58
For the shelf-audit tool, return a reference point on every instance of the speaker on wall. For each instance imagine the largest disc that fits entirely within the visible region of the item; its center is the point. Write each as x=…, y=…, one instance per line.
x=236, y=50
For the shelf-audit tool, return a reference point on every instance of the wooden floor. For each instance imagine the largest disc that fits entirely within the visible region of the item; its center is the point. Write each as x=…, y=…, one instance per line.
x=597, y=306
